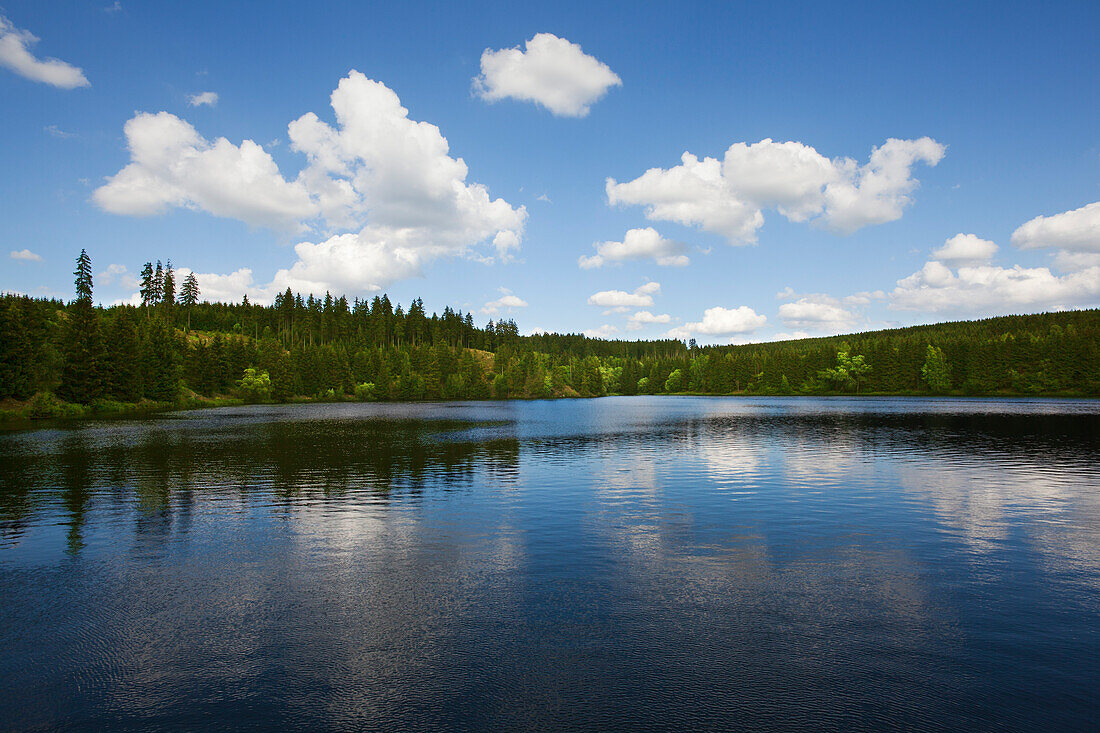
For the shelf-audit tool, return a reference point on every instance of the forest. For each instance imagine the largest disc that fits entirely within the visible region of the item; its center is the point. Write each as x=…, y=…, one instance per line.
x=176, y=350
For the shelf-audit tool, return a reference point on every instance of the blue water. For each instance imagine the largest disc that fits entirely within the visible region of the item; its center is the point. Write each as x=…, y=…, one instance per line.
x=641, y=563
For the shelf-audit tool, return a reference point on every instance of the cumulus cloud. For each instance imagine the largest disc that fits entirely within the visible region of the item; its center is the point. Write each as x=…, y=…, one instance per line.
x=992, y=290
x=638, y=244
x=551, y=72
x=719, y=321
x=389, y=179
x=1075, y=261
x=1077, y=231
x=792, y=336
x=117, y=274
x=507, y=301
x=231, y=288
x=728, y=196
x=864, y=297
x=620, y=299
x=15, y=45
x=203, y=98
x=641, y=319
x=605, y=331
x=965, y=249
x=173, y=166
x=25, y=255
x=817, y=312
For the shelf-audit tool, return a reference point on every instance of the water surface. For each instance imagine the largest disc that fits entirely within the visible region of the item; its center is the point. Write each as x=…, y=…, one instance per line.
x=625, y=562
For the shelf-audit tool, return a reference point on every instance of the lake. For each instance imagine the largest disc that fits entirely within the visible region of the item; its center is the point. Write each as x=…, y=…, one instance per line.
x=633, y=562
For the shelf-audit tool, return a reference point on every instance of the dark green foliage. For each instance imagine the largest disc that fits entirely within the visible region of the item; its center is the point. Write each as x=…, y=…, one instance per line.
x=16, y=376
x=330, y=348
x=83, y=374
x=123, y=362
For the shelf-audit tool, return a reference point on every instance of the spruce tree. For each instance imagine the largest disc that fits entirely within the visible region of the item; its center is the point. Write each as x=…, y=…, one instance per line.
x=168, y=289
x=81, y=379
x=158, y=284
x=148, y=296
x=189, y=295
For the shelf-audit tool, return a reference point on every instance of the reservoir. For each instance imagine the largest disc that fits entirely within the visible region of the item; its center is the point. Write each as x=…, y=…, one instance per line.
x=633, y=562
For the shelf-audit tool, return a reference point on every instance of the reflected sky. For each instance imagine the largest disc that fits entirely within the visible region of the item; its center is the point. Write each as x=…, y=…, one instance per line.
x=644, y=561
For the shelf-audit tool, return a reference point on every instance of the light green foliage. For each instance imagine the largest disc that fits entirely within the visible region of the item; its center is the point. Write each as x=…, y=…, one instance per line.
x=847, y=373
x=366, y=391
x=675, y=381
x=255, y=387
x=935, y=372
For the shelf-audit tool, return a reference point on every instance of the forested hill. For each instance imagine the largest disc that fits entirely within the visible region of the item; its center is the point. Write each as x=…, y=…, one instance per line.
x=173, y=349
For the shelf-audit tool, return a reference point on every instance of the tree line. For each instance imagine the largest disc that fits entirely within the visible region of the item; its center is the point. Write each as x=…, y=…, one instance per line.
x=173, y=346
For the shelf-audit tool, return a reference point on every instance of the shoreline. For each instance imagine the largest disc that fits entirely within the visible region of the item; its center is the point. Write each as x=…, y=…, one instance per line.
x=44, y=411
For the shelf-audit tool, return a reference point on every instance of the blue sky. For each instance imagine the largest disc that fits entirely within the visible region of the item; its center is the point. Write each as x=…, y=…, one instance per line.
x=992, y=108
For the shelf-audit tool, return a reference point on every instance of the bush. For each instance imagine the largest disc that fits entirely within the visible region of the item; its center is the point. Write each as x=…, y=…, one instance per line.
x=255, y=387
x=675, y=381
x=365, y=391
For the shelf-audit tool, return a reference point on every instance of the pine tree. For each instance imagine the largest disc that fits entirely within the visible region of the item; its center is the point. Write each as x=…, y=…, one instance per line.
x=148, y=294
x=189, y=295
x=81, y=380
x=168, y=291
x=158, y=284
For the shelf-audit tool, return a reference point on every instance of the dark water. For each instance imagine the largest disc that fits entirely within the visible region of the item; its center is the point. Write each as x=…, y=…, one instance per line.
x=625, y=562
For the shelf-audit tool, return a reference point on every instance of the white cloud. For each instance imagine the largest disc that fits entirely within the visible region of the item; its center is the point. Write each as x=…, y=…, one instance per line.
x=173, y=166
x=817, y=313
x=377, y=171
x=1074, y=261
x=551, y=72
x=642, y=296
x=863, y=298
x=25, y=255
x=792, y=336
x=638, y=244
x=605, y=331
x=507, y=301
x=720, y=321
x=965, y=249
x=229, y=288
x=641, y=319
x=1077, y=230
x=117, y=6
x=992, y=290
x=118, y=274
x=16, y=55
x=208, y=98
x=728, y=197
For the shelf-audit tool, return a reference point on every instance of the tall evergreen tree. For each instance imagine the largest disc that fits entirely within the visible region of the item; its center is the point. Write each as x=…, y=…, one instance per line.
x=168, y=291
x=158, y=284
x=189, y=295
x=81, y=378
x=147, y=291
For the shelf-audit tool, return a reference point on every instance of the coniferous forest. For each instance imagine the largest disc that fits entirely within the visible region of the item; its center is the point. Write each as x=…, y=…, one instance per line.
x=176, y=350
